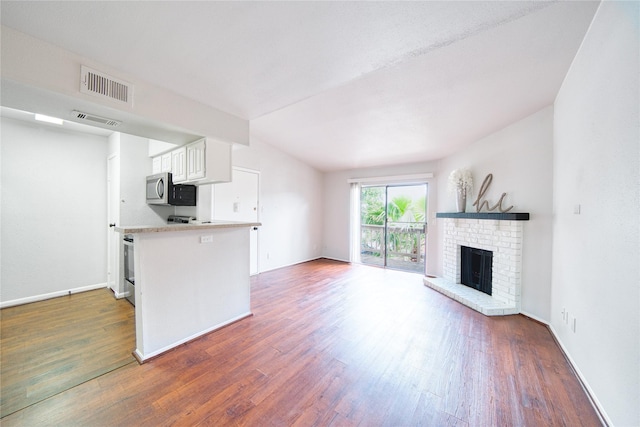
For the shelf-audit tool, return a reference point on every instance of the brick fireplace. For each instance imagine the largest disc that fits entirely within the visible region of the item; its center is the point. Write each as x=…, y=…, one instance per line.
x=499, y=233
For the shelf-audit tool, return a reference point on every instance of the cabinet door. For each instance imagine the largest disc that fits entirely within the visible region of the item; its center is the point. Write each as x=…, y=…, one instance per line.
x=196, y=160
x=178, y=165
x=156, y=166
x=166, y=162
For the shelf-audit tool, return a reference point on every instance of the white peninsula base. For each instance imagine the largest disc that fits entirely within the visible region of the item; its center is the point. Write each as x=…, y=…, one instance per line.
x=190, y=280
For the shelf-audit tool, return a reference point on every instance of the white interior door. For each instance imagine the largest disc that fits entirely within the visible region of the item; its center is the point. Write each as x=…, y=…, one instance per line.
x=113, y=217
x=238, y=201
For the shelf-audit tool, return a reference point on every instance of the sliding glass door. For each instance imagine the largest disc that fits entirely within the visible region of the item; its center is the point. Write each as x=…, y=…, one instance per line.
x=373, y=234
x=393, y=226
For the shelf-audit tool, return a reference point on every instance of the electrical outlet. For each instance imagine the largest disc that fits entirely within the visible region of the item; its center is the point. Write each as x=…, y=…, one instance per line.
x=206, y=239
x=564, y=313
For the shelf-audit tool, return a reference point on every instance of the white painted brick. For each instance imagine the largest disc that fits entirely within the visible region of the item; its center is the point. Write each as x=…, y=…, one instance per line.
x=504, y=239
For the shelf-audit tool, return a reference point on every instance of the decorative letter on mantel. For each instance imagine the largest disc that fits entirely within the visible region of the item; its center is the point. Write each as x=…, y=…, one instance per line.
x=479, y=203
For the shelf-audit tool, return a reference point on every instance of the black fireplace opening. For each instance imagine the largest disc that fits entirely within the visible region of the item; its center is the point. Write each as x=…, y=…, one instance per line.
x=476, y=267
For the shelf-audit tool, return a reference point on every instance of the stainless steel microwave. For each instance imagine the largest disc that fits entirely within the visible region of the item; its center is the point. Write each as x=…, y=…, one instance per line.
x=162, y=191
x=158, y=188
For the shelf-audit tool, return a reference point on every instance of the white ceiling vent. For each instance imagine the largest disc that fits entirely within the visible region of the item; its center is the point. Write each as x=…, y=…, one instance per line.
x=99, y=84
x=95, y=119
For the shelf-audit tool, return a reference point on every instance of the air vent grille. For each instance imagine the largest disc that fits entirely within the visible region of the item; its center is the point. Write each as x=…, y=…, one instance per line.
x=99, y=84
x=96, y=119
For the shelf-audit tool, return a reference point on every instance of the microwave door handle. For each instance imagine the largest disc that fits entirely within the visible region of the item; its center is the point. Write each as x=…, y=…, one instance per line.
x=158, y=182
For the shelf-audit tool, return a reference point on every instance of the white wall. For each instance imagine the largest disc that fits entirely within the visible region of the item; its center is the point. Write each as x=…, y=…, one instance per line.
x=53, y=70
x=290, y=205
x=54, y=211
x=135, y=166
x=596, y=255
x=337, y=200
x=520, y=157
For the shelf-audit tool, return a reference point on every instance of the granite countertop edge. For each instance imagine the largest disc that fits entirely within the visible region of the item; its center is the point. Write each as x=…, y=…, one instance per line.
x=132, y=229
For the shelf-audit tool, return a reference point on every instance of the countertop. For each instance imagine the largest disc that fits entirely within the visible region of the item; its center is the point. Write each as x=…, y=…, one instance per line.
x=132, y=229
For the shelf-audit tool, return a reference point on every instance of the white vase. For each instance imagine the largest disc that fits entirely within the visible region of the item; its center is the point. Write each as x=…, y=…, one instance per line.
x=461, y=201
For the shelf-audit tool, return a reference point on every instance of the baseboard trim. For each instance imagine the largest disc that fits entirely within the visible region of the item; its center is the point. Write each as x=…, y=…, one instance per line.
x=606, y=421
x=302, y=262
x=42, y=297
x=290, y=265
x=535, y=318
x=118, y=295
x=335, y=259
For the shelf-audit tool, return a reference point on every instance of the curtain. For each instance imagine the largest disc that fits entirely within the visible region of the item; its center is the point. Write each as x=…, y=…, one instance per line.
x=354, y=240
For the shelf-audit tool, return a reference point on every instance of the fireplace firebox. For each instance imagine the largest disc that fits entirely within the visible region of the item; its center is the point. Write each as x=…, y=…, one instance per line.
x=475, y=268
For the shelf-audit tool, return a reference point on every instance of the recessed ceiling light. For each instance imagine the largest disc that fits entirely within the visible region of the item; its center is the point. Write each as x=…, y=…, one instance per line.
x=48, y=119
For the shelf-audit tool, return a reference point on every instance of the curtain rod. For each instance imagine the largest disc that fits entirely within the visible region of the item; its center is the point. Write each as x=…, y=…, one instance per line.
x=391, y=179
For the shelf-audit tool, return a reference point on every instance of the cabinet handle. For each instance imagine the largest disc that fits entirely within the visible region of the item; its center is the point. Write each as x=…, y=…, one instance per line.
x=112, y=225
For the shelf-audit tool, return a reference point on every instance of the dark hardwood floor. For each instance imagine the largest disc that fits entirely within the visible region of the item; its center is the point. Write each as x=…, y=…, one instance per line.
x=333, y=344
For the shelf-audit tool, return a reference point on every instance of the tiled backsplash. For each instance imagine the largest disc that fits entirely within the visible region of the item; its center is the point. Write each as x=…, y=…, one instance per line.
x=504, y=239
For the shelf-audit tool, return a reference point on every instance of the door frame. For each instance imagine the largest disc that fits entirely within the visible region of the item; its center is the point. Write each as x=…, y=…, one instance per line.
x=114, y=264
x=254, y=235
x=386, y=197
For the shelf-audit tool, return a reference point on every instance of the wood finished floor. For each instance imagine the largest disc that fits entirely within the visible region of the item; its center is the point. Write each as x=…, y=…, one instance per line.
x=333, y=344
x=49, y=346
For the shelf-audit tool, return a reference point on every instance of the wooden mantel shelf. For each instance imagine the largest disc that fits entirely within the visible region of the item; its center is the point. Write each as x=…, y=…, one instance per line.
x=508, y=216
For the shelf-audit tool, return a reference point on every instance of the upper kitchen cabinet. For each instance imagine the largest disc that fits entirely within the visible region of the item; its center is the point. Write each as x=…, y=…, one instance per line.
x=178, y=165
x=161, y=163
x=208, y=162
x=156, y=165
x=165, y=162
x=196, y=163
x=204, y=161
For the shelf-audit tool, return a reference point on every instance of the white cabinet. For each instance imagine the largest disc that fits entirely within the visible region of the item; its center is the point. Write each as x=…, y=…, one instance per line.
x=204, y=161
x=208, y=161
x=165, y=162
x=178, y=165
x=196, y=167
x=161, y=164
x=156, y=166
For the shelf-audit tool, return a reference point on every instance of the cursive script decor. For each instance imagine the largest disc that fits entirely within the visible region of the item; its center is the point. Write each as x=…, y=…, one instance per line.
x=480, y=203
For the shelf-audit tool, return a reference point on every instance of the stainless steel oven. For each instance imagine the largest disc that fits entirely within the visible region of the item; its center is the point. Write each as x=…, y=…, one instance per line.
x=129, y=270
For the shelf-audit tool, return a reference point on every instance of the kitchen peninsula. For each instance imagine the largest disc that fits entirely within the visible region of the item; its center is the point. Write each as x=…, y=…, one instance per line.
x=190, y=279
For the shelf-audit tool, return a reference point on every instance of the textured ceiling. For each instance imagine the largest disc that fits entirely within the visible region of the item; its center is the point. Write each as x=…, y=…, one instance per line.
x=336, y=84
